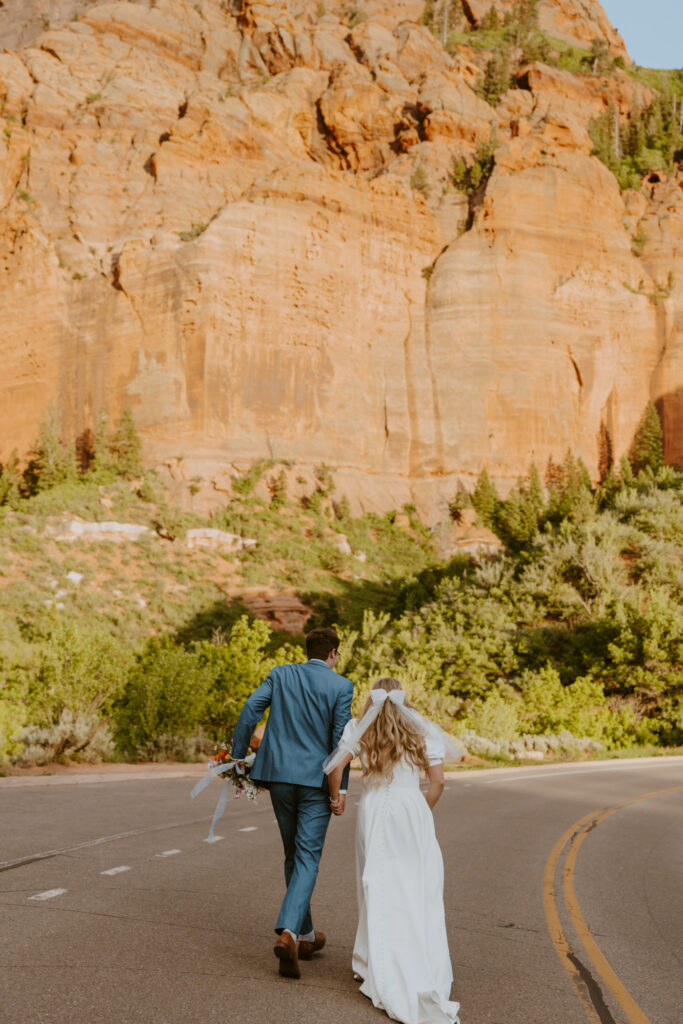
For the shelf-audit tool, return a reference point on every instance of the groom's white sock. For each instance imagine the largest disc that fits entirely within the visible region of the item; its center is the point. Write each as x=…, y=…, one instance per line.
x=290, y=932
x=308, y=937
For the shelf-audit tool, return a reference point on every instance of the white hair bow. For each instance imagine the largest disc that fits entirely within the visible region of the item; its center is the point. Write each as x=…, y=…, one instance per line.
x=395, y=696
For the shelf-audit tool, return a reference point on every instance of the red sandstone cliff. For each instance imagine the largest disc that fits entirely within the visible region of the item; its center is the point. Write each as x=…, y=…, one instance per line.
x=208, y=214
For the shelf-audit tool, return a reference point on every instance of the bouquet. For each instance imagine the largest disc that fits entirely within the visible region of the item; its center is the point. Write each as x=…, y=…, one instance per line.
x=239, y=772
x=237, y=777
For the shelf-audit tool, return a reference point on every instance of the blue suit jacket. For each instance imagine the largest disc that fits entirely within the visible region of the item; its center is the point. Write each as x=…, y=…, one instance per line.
x=309, y=706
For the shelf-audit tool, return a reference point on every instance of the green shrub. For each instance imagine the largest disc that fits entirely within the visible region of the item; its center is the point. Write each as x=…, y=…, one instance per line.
x=84, y=738
x=549, y=707
x=419, y=181
x=13, y=716
x=236, y=666
x=469, y=178
x=166, y=694
x=73, y=667
x=495, y=718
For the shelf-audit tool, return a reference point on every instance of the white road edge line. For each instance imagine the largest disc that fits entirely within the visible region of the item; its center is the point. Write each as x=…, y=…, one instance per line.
x=116, y=871
x=48, y=894
x=250, y=828
x=167, y=853
x=569, y=773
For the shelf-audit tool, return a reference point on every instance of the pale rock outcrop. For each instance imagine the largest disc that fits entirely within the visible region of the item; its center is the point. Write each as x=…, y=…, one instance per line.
x=451, y=109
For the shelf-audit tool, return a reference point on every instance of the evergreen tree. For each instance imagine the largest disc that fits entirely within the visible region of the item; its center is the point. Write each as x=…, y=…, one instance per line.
x=126, y=446
x=535, y=490
x=626, y=473
x=485, y=499
x=85, y=450
x=461, y=501
x=491, y=20
x=601, y=55
x=647, y=450
x=52, y=461
x=497, y=76
x=523, y=22
x=102, y=465
x=278, y=489
x=518, y=517
x=10, y=482
x=610, y=486
x=570, y=494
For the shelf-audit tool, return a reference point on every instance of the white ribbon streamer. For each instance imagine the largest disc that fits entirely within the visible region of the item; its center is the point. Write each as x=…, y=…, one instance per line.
x=213, y=772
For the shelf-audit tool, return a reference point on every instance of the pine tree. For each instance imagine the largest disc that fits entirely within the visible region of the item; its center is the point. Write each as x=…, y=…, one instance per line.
x=518, y=517
x=85, y=450
x=485, y=499
x=497, y=77
x=277, y=486
x=626, y=473
x=491, y=20
x=10, y=482
x=605, y=452
x=102, y=465
x=52, y=461
x=601, y=55
x=461, y=501
x=647, y=450
x=126, y=447
x=534, y=490
x=610, y=486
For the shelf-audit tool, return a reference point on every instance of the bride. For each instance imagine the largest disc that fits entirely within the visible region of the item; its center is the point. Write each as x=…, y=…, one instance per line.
x=401, y=950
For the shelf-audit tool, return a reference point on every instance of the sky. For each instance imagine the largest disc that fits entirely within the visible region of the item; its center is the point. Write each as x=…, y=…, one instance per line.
x=651, y=29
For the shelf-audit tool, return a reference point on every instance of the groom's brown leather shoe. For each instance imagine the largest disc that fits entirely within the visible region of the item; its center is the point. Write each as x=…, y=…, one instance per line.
x=286, y=952
x=307, y=949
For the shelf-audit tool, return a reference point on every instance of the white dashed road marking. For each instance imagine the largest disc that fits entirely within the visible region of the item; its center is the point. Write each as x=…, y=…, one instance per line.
x=252, y=828
x=116, y=871
x=48, y=894
x=167, y=853
x=216, y=839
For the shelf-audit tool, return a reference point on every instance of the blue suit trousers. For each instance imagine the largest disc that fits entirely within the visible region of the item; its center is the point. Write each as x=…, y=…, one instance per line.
x=303, y=814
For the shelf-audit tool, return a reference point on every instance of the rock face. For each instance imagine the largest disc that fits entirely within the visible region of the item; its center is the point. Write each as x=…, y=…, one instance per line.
x=242, y=222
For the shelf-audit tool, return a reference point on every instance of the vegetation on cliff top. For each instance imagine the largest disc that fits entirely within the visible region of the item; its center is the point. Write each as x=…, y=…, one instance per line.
x=646, y=140
x=571, y=639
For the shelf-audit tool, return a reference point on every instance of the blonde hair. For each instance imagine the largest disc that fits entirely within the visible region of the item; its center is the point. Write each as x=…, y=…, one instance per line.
x=391, y=738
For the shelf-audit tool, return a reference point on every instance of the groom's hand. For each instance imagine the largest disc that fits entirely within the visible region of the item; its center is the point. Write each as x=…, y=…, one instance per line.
x=338, y=804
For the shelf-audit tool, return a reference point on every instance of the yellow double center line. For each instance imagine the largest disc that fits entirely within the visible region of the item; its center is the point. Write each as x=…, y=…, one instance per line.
x=589, y=994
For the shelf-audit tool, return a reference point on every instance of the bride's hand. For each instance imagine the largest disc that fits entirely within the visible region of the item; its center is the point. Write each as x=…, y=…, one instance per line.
x=338, y=805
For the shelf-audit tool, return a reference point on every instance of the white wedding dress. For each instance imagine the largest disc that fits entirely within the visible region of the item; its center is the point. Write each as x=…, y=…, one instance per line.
x=401, y=948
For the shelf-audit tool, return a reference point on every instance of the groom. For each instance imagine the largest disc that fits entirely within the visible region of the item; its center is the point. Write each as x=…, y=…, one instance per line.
x=309, y=706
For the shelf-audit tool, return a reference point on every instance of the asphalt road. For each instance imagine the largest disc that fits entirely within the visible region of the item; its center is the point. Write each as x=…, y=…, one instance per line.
x=551, y=920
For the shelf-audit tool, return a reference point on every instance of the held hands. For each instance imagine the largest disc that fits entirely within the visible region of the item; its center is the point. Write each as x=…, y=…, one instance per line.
x=338, y=804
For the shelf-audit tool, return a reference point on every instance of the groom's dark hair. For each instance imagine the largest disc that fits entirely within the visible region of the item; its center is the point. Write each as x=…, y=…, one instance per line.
x=321, y=642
